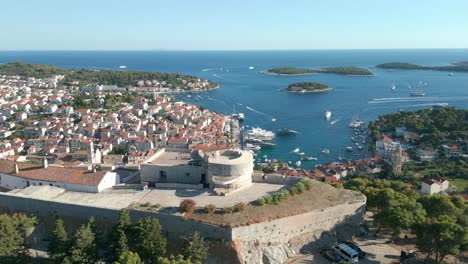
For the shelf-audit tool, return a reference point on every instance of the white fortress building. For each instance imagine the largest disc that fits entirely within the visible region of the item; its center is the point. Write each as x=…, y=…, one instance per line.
x=222, y=170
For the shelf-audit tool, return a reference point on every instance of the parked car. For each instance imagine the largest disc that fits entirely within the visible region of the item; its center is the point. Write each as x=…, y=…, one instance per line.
x=353, y=245
x=330, y=255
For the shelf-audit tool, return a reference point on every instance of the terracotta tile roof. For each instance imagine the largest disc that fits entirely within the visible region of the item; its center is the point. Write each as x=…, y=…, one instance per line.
x=8, y=166
x=65, y=175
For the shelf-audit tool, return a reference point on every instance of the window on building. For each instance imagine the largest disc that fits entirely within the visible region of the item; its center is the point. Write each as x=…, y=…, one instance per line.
x=40, y=183
x=187, y=174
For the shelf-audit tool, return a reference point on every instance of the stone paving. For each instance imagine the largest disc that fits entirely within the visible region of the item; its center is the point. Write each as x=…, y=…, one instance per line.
x=165, y=197
x=171, y=197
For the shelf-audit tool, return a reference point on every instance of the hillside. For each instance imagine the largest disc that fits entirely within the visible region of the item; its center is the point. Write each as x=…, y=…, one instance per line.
x=87, y=77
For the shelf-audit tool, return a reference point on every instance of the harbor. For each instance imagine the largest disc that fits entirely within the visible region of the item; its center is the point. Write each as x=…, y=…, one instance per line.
x=259, y=98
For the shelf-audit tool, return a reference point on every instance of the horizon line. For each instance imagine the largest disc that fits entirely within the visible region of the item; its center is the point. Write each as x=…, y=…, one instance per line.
x=217, y=50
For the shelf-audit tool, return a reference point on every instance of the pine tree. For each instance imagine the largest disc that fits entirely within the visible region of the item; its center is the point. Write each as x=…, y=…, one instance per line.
x=59, y=243
x=119, y=235
x=195, y=247
x=83, y=248
x=129, y=258
x=150, y=244
x=10, y=239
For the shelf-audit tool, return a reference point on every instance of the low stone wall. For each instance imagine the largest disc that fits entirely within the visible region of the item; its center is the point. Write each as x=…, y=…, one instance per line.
x=179, y=186
x=275, y=179
x=173, y=225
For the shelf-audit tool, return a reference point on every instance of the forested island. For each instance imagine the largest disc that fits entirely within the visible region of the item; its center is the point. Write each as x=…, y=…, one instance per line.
x=308, y=87
x=292, y=71
x=120, y=78
x=456, y=67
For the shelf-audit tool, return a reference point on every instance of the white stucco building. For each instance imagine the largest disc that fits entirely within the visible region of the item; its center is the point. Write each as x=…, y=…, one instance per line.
x=435, y=185
x=21, y=175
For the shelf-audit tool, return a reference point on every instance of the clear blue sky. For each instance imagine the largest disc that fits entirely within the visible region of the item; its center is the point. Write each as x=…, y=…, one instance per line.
x=232, y=24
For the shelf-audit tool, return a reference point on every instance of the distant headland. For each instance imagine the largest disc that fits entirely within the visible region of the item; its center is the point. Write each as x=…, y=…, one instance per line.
x=308, y=87
x=294, y=71
x=455, y=67
x=126, y=79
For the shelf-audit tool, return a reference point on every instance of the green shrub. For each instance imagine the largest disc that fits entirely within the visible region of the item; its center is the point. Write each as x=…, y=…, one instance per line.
x=268, y=199
x=293, y=191
x=210, y=208
x=228, y=210
x=284, y=194
x=147, y=204
x=307, y=183
x=261, y=201
x=239, y=207
x=300, y=187
x=275, y=198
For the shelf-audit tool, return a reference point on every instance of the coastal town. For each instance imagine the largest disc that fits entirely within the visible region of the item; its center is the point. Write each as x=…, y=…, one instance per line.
x=139, y=149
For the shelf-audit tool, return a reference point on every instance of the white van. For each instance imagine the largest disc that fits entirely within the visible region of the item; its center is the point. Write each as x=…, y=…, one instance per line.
x=346, y=253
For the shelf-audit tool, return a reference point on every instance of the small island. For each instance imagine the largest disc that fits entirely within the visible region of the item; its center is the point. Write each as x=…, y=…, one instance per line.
x=455, y=67
x=308, y=87
x=293, y=71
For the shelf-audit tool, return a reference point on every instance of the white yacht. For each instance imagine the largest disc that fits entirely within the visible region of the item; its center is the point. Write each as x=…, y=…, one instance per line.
x=328, y=114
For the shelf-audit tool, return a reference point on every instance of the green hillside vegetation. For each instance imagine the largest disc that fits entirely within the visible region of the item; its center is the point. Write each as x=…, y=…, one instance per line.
x=291, y=70
x=346, y=70
x=308, y=87
x=88, y=77
x=457, y=67
x=435, y=125
x=334, y=70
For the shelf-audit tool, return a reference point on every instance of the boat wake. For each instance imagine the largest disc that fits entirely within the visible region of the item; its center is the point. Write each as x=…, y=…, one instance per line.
x=415, y=99
x=335, y=121
x=256, y=111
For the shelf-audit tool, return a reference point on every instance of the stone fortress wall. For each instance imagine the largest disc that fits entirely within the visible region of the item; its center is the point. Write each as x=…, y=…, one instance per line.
x=267, y=242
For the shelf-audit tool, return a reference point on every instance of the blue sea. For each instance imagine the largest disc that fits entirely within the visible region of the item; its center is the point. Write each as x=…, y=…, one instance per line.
x=258, y=96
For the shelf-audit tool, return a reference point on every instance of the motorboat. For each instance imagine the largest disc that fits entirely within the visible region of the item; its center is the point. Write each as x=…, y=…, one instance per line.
x=122, y=67
x=356, y=123
x=286, y=132
x=296, y=150
x=393, y=88
x=349, y=149
x=418, y=94
x=264, y=144
x=252, y=147
x=326, y=151
x=298, y=163
x=328, y=114
x=251, y=67
x=309, y=158
x=241, y=116
x=260, y=134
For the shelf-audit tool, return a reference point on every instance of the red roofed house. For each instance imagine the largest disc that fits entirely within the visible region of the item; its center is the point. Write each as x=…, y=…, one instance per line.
x=177, y=144
x=435, y=185
x=15, y=175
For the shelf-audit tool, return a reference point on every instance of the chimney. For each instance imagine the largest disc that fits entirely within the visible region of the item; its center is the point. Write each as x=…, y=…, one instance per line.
x=16, y=168
x=46, y=164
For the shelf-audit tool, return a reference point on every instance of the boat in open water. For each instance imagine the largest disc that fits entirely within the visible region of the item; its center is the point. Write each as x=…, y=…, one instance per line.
x=286, y=132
